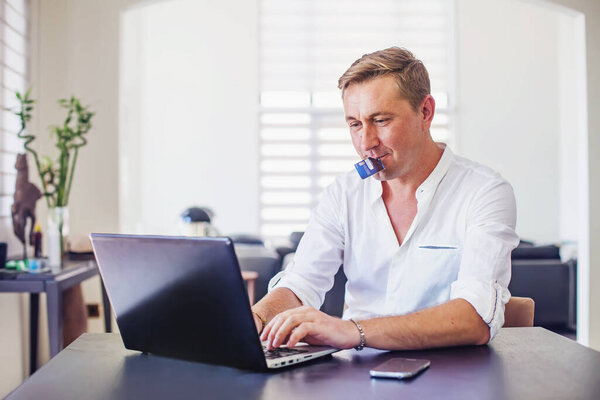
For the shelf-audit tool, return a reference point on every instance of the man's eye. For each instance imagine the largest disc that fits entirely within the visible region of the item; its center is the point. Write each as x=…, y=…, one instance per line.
x=354, y=125
x=381, y=121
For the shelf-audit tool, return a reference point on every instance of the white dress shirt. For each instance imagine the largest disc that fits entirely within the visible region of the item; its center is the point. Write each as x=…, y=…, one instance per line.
x=458, y=245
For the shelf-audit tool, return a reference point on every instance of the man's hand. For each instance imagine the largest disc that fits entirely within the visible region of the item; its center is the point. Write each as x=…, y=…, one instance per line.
x=273, y=303
x=311, y=326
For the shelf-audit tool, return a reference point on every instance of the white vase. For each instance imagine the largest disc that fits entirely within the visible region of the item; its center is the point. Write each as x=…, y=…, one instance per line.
x=58, y=230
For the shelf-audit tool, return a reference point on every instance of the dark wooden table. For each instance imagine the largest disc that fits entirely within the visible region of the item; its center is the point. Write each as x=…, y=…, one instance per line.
x=53, y=285
x=520, y=363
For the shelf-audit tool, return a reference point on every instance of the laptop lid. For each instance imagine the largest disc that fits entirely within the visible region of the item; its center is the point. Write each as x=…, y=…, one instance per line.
x=181, y=297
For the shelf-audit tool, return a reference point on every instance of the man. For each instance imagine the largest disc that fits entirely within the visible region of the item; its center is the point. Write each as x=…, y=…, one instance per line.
x=425, y=245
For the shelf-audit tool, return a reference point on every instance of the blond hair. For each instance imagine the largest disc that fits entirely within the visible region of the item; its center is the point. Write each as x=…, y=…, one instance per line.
x=410, y=74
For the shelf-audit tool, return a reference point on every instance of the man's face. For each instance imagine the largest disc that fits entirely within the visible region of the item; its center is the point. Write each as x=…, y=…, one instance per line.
x=384, y=125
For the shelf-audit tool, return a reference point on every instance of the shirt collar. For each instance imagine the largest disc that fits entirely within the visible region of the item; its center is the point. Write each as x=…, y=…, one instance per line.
x=429, y=185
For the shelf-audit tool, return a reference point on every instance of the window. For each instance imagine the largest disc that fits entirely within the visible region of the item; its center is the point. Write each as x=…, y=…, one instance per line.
x=14, y=61
x=305, y=46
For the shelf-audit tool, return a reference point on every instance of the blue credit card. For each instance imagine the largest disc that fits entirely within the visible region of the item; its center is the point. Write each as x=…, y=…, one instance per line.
x=369, y=166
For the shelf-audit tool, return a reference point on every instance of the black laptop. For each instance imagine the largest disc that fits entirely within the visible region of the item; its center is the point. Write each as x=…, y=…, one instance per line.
x=184, y=297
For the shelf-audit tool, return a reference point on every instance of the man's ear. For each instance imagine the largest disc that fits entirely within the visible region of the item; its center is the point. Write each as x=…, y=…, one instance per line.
x=427, y=110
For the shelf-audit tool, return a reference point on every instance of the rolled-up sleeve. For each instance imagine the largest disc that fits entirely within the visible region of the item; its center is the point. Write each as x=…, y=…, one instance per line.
x=319, y=255
x=485, y=267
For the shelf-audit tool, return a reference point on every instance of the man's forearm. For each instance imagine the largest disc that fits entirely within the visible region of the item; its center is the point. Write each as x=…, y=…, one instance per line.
x=450, y=324
x=273, y=303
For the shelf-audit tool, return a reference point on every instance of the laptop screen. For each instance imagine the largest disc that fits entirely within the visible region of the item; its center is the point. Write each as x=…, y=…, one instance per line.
x=181, y=297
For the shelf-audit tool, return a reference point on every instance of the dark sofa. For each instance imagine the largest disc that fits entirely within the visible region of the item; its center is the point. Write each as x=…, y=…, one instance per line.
x=539, y=273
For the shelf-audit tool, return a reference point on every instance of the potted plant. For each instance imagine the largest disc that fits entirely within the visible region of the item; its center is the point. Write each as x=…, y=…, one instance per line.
x=57, y=176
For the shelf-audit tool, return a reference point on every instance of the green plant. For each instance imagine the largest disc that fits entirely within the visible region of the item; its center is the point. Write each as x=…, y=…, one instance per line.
x=57, y=177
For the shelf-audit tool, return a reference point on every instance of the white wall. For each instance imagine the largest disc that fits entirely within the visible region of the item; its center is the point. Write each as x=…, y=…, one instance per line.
x=497, y=37
x=508, y=104
x=76, y=52
x=572, y=126
x=190, y=70
x=588, y=313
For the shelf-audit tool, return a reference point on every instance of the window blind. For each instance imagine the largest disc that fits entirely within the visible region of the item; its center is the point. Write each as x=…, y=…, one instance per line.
x=14, y=63
x=305, y=46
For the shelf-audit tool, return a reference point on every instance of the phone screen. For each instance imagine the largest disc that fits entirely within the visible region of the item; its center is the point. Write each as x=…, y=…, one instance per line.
x=399, y=368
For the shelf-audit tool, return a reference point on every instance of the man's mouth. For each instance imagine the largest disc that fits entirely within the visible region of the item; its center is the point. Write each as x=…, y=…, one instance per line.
x=378, y=157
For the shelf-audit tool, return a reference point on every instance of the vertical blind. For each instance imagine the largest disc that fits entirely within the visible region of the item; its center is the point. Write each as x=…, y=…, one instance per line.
x=305, y=46
x=14, y=62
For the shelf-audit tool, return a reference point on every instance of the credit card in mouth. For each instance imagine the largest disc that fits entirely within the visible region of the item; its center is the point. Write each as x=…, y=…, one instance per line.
x=369, y=166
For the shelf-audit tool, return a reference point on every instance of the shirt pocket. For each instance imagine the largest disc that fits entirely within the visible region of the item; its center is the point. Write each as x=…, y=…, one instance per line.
x=439, y=255
x=437, y=266
x=438, y=247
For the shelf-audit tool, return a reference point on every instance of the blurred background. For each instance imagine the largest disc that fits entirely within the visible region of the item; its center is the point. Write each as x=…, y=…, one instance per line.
x=233, y=105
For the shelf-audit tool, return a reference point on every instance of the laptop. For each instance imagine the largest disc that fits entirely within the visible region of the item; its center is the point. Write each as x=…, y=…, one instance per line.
x=184, y=297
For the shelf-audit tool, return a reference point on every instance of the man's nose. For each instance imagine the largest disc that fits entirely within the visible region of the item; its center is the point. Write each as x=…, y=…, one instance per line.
x=369, y=138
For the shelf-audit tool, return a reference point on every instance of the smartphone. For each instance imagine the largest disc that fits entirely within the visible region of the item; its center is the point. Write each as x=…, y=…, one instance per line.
x=399, y=368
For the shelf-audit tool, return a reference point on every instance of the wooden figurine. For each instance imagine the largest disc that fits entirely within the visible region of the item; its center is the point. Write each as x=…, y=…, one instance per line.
x=23, y=208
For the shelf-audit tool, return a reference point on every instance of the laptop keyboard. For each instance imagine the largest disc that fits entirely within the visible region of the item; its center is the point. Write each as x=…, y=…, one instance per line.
x=281, y=352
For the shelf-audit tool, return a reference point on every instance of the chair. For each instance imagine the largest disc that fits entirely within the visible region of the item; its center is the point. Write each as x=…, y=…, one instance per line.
x=518, y=312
